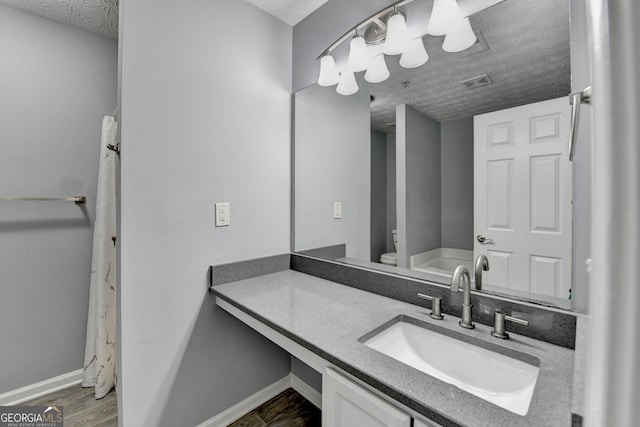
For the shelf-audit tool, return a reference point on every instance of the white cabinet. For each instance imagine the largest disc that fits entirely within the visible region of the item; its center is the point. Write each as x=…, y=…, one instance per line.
x=346, y=404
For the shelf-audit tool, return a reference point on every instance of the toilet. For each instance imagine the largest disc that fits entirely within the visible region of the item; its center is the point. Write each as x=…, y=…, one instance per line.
x=391, y=258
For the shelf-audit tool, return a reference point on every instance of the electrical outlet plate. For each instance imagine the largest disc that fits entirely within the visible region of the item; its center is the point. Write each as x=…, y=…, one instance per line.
x=223, y=214
x=337, y=210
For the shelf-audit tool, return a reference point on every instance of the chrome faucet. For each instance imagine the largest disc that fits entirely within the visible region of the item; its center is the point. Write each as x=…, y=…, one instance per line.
x=461, y=273
x=482, y=263
x=499, y=320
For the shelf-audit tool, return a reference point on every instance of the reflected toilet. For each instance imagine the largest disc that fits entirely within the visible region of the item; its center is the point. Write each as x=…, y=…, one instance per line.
x=391, y=258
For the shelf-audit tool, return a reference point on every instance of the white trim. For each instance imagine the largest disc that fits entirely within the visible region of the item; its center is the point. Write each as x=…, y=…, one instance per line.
x=255, y=400
x=306, y=391
x=228, y=416
x=612, y=370
x=33, y=391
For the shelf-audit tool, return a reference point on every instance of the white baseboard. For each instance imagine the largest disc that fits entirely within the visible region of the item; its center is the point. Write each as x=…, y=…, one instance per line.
x=308, y=392
x=252, y=402
x=33, y=391
x=247, y=405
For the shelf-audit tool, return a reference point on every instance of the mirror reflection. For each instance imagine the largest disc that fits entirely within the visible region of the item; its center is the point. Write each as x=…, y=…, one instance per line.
x=465, y=156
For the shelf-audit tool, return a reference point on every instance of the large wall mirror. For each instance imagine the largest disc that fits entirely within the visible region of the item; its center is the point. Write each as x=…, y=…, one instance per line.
x=466, y=155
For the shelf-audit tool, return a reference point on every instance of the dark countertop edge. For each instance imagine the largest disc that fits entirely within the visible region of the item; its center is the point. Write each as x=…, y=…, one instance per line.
x=391, y=392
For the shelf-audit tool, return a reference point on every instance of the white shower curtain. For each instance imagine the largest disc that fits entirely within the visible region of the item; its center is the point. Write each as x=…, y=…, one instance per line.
x=100, y=348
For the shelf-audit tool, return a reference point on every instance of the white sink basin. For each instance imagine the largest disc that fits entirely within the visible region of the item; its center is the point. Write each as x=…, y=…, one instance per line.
x=500, y=379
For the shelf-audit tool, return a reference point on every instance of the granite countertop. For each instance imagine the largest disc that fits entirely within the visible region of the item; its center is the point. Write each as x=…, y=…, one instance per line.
x=329, y=318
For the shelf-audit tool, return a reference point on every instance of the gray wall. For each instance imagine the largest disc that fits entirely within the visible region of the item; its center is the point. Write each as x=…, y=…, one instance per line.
x=307, y=374
x=204, y=121
x=457, y=183
x=332, y=164
x=378, y=194
x=391, y=189
x=57, y=83
x=418, y=183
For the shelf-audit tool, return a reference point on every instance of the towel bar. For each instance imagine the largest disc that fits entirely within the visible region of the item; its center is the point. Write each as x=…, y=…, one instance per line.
x=77, y=199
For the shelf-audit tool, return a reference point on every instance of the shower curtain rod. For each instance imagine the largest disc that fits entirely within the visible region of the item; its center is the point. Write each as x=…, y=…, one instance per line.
x=77, y=199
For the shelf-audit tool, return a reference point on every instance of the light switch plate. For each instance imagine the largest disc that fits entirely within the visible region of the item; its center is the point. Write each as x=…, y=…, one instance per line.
x=223, y=214
x=337, y=210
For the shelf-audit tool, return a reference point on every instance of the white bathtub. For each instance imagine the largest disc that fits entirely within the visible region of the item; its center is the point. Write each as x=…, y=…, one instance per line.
x=441, y=261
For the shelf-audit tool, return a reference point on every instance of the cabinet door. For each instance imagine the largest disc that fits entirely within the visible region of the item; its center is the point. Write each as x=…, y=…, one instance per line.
x=346, y=404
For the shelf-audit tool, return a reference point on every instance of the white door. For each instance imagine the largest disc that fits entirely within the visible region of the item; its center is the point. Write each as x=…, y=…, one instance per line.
x=346, y=404
x=522, y=197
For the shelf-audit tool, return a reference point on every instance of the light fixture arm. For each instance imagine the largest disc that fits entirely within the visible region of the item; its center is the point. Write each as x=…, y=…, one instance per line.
x=374, y=17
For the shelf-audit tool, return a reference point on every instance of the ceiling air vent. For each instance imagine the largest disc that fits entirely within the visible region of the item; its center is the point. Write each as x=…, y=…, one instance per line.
x=476, y=82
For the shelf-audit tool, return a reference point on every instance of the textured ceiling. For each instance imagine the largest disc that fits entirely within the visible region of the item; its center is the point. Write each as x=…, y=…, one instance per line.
x=97, y=16
x=289, y=11
x=527, y=58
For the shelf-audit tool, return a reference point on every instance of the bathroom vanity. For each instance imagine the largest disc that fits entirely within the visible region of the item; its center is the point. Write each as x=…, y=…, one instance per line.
x=329, y=326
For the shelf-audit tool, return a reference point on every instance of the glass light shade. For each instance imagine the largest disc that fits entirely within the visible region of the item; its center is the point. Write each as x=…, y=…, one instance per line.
x=347, y=84
x=328, y=73
x=397, y=35
x=358, y=55
x=460, y=37
x=377, y=71
x=414, y=55
x=444, y=15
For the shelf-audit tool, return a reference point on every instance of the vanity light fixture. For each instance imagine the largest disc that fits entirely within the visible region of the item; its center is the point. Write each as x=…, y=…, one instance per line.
x=447, y=20
x=460, y=37
x=443, y=15
x=359, y=57
x=397, y=36
x=389, y=27
x=329, y=75
x=378, y=71
x=414, y=55
x=347, y=85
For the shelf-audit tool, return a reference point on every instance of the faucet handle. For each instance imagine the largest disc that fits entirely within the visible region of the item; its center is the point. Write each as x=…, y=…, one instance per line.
x=436, y=306
x=499, y=320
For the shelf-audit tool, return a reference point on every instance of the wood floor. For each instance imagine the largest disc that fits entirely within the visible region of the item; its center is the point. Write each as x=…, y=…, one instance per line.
x=288, y=409
x=81, y=409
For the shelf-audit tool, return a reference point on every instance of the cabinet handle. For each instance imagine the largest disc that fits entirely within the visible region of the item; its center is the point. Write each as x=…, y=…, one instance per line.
x=576, y=98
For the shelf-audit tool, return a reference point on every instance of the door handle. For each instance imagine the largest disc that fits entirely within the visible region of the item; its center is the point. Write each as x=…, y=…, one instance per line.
x=481, y=239
x=577, y=98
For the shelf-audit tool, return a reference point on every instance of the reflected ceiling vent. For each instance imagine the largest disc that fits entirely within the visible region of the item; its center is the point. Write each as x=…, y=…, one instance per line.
x=476, y=82
x=391, y=125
